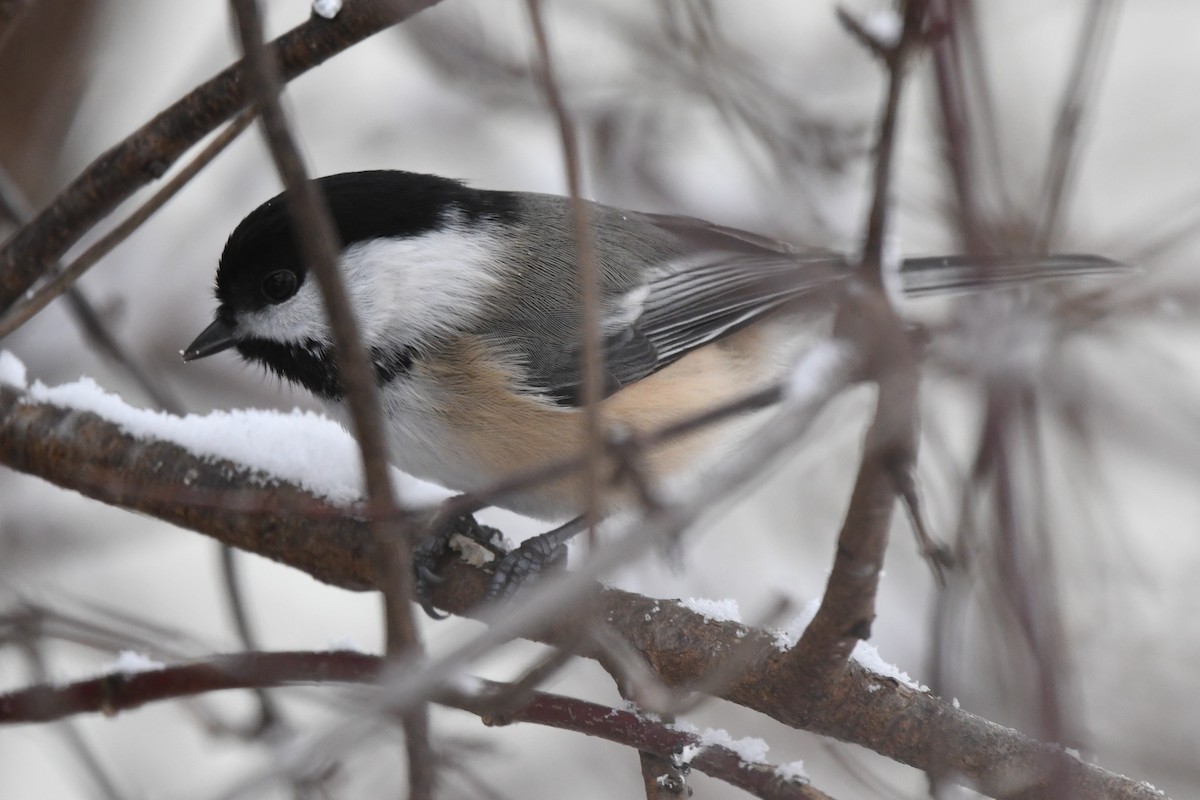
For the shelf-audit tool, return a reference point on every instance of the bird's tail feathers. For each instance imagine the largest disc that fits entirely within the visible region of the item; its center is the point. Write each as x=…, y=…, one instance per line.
x=961, y=273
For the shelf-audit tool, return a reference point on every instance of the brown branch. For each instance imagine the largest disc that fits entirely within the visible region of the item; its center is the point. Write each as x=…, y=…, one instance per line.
x=662, y=741
x=847, y=607
x=588, y=280
x=515, y=482
x=956, y=129
x=1064, y=146
x=95, y=331
x=320, y=249
x=896, y=58
x=149, y=152
x=90, y=455
x=124, y=691
x=98, y=334
x=104, y=782
x=866, y=319
x=116, y=692
x=1006, y=431
x=912, y=727
x=65, y=278
x=269, y=714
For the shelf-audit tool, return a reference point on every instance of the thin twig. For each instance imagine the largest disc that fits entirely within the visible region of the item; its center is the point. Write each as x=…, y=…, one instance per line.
x=980, y=102
x=515, y=482
x=83, y=751
x=16, y=207
x=588, y=274
x=867, y=320
x=150, y=151
x=269, y=714
x=956, y=131
x=660, y=740
x=320, y=250
x=1008, y=432
x=847, y=607
x=116, y=692
x=99, y=336
x=1064, y=147
x=911, y=36
x=56, y=285
x=1007, y=422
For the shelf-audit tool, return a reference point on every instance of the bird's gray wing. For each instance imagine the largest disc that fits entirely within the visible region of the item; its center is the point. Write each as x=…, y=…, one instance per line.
x=711, y=282
x=706, y=281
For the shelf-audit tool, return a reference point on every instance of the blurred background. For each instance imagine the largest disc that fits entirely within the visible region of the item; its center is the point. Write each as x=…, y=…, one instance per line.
x=1074, y=404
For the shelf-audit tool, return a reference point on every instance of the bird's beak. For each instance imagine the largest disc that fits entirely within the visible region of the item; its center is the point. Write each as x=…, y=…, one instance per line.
x=216, y=337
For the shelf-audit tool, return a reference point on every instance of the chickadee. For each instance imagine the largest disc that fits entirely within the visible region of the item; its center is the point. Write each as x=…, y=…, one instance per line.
x=469, y=309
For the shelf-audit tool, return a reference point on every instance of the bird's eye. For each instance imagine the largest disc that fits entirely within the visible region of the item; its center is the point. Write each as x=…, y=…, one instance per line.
x=279, y=285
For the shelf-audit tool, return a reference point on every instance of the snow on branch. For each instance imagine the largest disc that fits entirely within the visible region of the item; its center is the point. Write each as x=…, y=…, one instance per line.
x=240, y=506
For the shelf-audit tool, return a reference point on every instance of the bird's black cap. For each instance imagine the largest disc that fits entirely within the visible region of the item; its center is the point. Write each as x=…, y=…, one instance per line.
x=363, y=206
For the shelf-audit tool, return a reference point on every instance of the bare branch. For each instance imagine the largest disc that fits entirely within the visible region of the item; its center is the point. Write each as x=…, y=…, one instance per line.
x=66, y=277
x=86, y=316
x=956, y=133
x=116, y=692
x=848, y=605
x=125, y=691
x=589, y=278
x=320, y=249
x=104, y=782
x=663, y=741
x=912, y=35
x=683, y=648
x=867, y=320
x=152, y=386
x=150, y=151
x=1097, y=26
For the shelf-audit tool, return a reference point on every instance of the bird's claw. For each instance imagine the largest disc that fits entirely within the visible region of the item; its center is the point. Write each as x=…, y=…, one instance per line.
x=430, y=550
x=523, y=565
x=512, y=570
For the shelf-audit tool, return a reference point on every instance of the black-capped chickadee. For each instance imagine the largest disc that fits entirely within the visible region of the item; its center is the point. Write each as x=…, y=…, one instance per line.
x=469, y=308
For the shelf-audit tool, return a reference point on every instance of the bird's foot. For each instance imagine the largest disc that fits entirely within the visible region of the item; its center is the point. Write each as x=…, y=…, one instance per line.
x=522, y=565
x=430, y=550
x=512, y=570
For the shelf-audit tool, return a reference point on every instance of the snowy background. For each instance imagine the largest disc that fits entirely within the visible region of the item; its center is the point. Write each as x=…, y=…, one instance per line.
x=445, y=94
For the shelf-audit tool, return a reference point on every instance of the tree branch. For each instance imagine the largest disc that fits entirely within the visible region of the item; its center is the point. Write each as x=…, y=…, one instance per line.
x=896, y=59
x=148, y=153
x=683, y=648
x=1099, y=20
x=123, y=691
x=320, y=249
x=66, y=277
x=588, y=273
x=847, y=607
x=867, y=320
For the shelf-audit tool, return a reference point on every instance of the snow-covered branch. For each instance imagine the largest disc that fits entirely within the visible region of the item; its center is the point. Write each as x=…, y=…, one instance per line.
x=84, y=452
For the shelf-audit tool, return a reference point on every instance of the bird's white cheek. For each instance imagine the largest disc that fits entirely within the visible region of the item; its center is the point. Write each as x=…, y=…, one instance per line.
x=296, y=320
x=404, y=290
